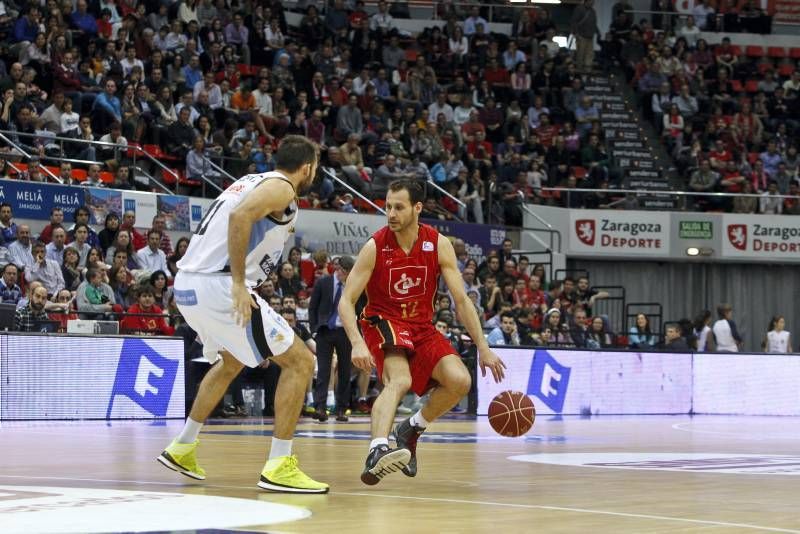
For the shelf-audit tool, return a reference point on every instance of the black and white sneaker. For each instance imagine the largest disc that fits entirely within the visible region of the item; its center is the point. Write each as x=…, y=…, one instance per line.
x=406, y=435
x=381, y=461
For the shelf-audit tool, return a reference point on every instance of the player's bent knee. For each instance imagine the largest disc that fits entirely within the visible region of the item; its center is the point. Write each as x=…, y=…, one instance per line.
x=400, y=384
x=459, y=383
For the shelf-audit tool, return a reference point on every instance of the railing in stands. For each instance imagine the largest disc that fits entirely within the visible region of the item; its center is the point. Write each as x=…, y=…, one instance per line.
x=133, y=149
x=332, y=176
x=25, y=155
x=548, y=229
x=532, y=255
x=612, y=306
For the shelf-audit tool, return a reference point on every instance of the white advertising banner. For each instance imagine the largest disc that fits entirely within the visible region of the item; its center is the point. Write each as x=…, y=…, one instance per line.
x=594, y=383
x=145, y=205
x=758, y=236
x=746, y=384
x=599, y=232
x=198, y=207
x=338, y=233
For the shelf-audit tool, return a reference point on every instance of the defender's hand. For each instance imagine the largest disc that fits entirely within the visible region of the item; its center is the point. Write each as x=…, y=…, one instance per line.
x=490, y=360
x=243, y=304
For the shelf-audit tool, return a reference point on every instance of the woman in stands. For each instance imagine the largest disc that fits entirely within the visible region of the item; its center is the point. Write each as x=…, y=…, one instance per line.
x=123, y=242
x=640, y=336
x=702, y=331
x=554, y=333
x=161, y=293
x=777, y=339
x=598, y=338
x=70, y=270
x=95, y=261
x=109, y=232
x=180, y=250
x=122, y=283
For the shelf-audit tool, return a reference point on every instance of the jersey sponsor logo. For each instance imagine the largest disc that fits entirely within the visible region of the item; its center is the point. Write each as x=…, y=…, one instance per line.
x=408, y=282
x=427, y=246
x=276, y=336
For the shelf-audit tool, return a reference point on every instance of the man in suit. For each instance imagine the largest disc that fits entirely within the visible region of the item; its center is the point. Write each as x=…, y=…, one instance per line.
x=323, y=317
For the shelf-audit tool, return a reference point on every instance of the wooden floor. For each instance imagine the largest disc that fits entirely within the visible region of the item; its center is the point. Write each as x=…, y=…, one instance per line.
x=467, y=483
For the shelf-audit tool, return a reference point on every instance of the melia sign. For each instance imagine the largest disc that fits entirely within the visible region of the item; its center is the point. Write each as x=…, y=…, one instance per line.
x=615, y=232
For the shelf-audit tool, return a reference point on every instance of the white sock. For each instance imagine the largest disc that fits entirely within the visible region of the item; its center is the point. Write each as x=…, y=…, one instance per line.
x=418, y=420
x=377, y=442
x=190, y=431
x=331, y=398
x=310, y=399
x=280, y=447
x=362, y=399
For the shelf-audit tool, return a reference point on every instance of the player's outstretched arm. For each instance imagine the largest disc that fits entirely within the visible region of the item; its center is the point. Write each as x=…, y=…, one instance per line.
x=356, y=283
x=269, y=197
x=466, y=311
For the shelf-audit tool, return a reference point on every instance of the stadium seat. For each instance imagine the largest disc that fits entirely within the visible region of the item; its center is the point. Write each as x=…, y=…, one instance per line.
x=776, y=52
x=764, y=67
x=737, y=86
x=132, y=150
x=752, y=157
x=751, y=86
x=794, y=53
x=54, y=170
x=79, y=174
x=580, y=172
x=106, y=177
x=754, y=51
x=786, y=69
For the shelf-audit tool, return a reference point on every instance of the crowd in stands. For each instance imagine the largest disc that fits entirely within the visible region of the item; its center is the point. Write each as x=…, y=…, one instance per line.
x=728, y=115
x=70, y=271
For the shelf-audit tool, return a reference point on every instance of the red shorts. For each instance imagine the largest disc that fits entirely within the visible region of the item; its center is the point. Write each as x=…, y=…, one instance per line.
x=423, y=344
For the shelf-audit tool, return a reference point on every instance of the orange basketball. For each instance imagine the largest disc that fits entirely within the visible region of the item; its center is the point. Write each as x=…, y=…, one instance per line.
x=511, y=413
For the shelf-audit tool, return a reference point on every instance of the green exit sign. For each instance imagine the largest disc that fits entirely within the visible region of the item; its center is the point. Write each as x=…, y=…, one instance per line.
x=696, y=230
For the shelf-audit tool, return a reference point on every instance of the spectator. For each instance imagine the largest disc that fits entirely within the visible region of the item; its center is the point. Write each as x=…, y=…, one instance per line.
x=55, y=249
x=180, y=250
x=506, y=333
x=8, y=228
x=108, y=234
x=44, y=270
x=726, y=335
x=640, y=335
x=95, y=298
x=27, y=318
x=597, y=337
x=770, y=203
x=64, y=298
x=82, y=217
x=81, y=233
x=777, y=340
x=151, y=257
x=702, y=331
x=123, y=244
x=20, y=250
x=121, y=281
x=161, y=292
x=160, y=225
x=145, y=317
x=56, y=217
x=129, y=223
x=71, y=269
x=10, y=292
x=553, y=332
x=674, y=342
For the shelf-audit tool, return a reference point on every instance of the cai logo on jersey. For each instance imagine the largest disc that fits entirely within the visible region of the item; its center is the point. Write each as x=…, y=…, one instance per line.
x=737, y=235
x=407, y=282
x=549, y=380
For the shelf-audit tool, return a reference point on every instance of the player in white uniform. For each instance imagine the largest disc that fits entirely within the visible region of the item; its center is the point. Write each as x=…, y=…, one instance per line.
x=237, y=244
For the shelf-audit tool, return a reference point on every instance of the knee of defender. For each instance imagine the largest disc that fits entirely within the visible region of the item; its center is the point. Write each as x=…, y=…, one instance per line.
x=399, y=385
x=304, y=363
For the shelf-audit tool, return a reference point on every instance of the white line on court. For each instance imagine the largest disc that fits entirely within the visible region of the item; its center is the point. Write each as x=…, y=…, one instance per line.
x=731, y=434
x=449, y=501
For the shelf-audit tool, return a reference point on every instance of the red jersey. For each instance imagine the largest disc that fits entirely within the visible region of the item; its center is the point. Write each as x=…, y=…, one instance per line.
x=403, y=286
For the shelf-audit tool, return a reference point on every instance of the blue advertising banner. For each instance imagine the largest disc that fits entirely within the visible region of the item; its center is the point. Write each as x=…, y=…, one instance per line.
x=479, y=238
x=34, y=200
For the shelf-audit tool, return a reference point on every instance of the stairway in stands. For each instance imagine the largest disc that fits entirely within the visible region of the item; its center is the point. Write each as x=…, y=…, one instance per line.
x=633, y=145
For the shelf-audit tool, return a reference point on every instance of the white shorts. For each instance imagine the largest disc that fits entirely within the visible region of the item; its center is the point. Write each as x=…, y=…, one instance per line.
x=205, y=302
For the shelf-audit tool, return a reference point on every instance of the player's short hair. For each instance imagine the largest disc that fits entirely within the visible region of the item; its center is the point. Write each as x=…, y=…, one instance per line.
x=296, y=151
x=415, y=192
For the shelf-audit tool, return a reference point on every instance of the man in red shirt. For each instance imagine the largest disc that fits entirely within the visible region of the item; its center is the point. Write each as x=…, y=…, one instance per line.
x=479, y=142
x=496, y=75
x=399, y=268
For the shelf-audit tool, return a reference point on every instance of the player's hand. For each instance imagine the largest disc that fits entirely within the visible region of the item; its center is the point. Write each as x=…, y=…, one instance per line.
x=243, y=304
x=487, y=359
x=361, y=357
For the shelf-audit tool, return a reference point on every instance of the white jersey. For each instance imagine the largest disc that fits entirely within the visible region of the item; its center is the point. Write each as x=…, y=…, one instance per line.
x=208, y=248
x=778, y=341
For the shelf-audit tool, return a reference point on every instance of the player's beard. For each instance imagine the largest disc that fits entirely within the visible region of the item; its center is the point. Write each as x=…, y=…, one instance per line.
x=308, y=181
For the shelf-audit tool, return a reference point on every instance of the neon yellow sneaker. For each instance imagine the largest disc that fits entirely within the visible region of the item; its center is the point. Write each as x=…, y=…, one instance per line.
x=181, y=457
x=282, y=475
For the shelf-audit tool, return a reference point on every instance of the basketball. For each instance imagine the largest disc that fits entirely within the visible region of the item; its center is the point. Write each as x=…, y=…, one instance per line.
x=511, y=413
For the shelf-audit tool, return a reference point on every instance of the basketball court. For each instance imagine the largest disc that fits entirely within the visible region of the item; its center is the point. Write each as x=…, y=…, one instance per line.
x=603, y=474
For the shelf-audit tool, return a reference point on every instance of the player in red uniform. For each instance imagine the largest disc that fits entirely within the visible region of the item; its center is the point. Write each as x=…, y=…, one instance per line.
x=399, y=267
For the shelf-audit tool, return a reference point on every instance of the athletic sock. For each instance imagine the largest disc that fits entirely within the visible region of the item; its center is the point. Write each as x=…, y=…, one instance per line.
x=280, y=447
x=378, y=442
x=362, y=399
x=310, y=399
x=418, y=420
x=190, y=431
